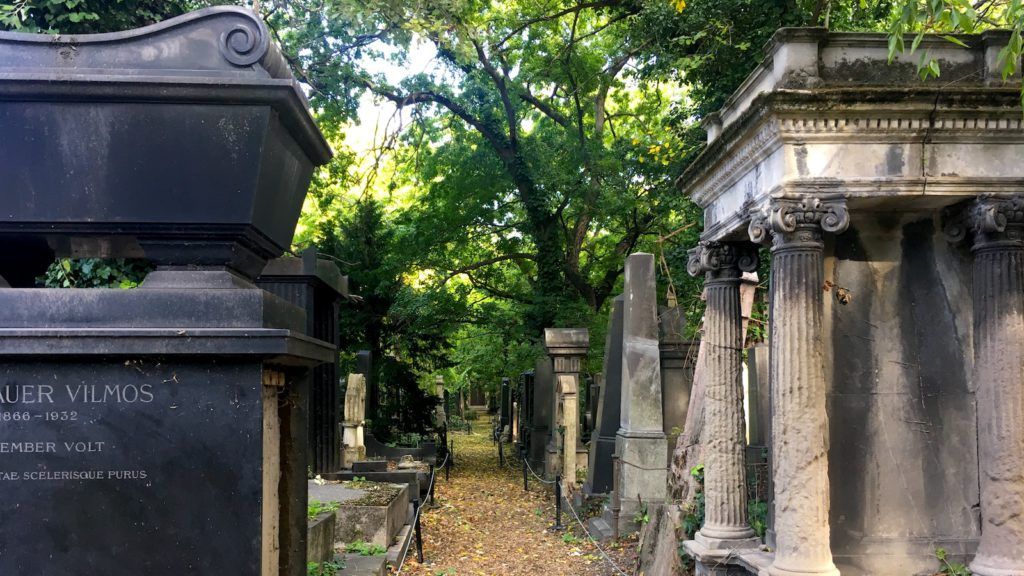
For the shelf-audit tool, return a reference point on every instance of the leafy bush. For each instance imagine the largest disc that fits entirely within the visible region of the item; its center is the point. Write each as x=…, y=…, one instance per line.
x=365, y=548
x=694, y=518
x=757, y=515
x=950, y=568
x=95, y=273
x=325, y=569
x=316, y=508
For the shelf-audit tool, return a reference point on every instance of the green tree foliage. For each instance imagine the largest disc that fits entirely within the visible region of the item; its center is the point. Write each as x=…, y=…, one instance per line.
x=920, y=17
x=89, y=16
x=543, y=158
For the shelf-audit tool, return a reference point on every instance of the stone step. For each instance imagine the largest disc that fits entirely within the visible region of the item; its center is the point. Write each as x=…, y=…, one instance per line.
x=356, y=565
x=600, y=529
x=403, y=546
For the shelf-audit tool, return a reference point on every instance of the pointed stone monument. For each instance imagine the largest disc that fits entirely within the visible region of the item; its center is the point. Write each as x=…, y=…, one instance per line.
x=602, y=442
x=640, y=442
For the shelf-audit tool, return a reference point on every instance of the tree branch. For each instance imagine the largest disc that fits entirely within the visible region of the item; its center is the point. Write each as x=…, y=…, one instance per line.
x=572, y=9
x=488, y=262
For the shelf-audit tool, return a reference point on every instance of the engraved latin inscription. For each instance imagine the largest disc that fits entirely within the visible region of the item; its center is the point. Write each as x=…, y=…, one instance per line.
x=69, y=411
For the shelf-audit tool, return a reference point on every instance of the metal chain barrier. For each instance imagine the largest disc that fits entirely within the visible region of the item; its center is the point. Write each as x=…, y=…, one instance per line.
x=419, y=511
x=607, y=558
x=539, y=479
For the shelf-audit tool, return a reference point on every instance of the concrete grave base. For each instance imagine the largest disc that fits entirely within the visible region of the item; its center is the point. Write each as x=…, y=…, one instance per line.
x=320, y=538
x=728, y=562
x=644, y=472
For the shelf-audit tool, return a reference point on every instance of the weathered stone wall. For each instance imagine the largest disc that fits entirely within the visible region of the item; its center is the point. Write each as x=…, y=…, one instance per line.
x=903, y=459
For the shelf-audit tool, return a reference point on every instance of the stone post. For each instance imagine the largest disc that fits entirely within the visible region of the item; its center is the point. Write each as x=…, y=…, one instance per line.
x=355, y=413
x=567, y=347
x=998, y=226
x=568, y=388
x=799, y=419
x=725, y=485
x=441, y=414
x=640, y=441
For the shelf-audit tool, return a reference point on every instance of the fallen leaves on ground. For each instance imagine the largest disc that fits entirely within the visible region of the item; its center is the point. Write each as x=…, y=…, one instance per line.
x=485, y=524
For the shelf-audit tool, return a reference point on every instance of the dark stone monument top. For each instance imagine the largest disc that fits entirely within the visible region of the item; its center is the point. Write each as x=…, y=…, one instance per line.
x=317, y=286
x=307, y=268
x=187, y=142
x=131, y=417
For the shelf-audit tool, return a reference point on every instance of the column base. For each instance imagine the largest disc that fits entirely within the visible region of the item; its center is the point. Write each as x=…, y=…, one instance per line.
x=829, y=570
x=998, y=566
x=738, y=543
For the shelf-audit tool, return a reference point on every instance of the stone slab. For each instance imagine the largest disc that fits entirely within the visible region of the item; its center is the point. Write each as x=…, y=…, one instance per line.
x=370, y=466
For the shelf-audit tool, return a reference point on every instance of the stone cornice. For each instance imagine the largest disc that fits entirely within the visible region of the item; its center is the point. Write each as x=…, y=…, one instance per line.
x=843, y=114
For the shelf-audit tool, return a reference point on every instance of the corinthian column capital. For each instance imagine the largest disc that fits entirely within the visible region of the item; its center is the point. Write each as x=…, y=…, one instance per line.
x=798, y=221
x=994, y=221
x=722, y=259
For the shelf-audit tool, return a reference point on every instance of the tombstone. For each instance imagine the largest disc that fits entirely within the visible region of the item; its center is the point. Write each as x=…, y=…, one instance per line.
x=678, y=362
x=440, y=414
x=365, y=366
x=602, y=443
x=894, y=213
x=317, y=286
x=355, y=419
x=640, y=440
x=759, y=421
x=152, y=429
x=567, y=347
x=505, y=418
x=593, y=388
x=525, y=412
x=542, y=450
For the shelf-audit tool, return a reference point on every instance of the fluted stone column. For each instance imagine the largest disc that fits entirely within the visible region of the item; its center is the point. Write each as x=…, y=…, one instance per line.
x=725, y=483
x=998, y=226
x=799, y=420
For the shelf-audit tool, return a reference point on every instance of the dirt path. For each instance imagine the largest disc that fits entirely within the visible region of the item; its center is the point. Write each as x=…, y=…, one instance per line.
x=485, y=524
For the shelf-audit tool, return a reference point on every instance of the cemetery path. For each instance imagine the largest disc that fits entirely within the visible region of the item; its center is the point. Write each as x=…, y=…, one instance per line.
x=484, y=524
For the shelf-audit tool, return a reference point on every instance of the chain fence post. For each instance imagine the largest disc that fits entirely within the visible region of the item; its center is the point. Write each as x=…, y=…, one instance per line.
x=558, y=503
x=616, y=494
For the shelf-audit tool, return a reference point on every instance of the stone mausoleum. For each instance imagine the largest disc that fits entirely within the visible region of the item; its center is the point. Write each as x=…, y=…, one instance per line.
x=893, y=212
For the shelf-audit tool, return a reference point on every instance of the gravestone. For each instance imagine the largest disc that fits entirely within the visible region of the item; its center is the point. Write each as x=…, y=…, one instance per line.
x=678, y=361
x=364, y=366
x=525, y=412
x=355, y=419
x=567, y=347
x=317, y=286
x=543, y=414
x=505, y=420
x=160, y=430
x=640, y=440
x=602, y=444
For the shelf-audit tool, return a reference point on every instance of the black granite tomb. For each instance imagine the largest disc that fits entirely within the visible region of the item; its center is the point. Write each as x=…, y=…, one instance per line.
x=161, y=430
x=318, y=287
x=543, y=411
x=602, y=443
